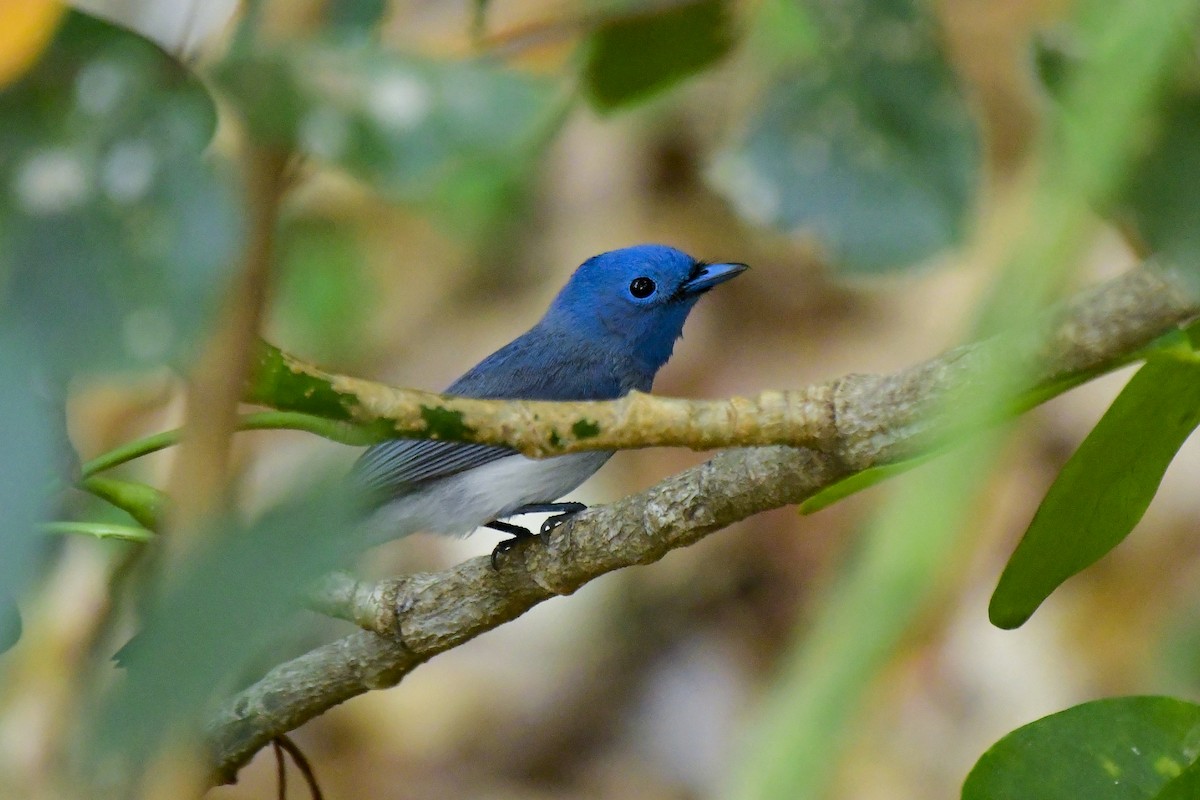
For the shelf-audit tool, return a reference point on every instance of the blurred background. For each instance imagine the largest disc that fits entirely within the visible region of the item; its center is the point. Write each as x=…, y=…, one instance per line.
x=645, y=684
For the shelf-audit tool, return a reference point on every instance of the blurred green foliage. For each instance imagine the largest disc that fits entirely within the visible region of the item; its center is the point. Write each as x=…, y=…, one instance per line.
x=417, y=130
x=235, y=597
x=632, y=58
x=119, y=232
x=869, y=146
x=1159, y=203
x=1089, y=145
x=25, y=430
x=354, y=20
x=1163, y=193
x=117, y=236
x=323, y=297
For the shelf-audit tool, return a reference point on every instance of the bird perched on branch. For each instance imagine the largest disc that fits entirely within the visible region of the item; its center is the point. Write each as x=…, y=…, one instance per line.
x=609, y=331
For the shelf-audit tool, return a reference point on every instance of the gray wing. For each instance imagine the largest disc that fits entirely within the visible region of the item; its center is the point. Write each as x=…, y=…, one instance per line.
x=393, y=467
x=534, y=366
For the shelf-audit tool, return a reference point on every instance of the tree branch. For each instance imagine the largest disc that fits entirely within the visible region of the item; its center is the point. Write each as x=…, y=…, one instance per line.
x=544, y=428
x=870, y=419
x=864, y=419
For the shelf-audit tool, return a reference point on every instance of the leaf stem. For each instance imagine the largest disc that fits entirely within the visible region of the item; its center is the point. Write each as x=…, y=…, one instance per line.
x=101, y=530
x=338, y=431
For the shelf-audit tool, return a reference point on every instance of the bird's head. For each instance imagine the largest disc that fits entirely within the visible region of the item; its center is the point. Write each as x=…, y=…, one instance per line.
x=634, y=301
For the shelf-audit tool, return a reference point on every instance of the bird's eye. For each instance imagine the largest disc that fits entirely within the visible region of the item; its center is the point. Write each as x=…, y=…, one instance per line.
x=642, y=288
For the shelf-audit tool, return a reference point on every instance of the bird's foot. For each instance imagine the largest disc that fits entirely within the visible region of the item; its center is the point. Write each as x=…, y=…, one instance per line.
x=565, y=512
x=516, y=531
x=558, y=519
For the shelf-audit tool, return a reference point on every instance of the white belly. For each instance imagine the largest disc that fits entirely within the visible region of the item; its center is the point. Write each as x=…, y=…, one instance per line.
x=458, y=504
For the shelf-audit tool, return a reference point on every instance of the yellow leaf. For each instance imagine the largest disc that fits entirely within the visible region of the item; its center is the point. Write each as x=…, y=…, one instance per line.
x=26, y=27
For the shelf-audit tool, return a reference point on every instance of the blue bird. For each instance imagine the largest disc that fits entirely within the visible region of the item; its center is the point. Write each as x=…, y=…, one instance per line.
x=609, y=331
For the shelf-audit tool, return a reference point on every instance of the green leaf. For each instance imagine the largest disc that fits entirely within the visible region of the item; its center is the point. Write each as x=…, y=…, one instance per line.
x=1123, y=748
x=118, y=232
x=634, y=57
x=1104, y=488
x=1185, y=787
x=1162, y=197
x=30, y=446
x=10, y=622
x=409, y=126
x=144, y=503
x=873, y=152
x=225, y=606
x=101, y=530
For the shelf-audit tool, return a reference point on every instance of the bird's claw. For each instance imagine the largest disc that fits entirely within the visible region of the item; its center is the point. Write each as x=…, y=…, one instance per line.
x=553, y=522
x=500, y=549
x=518, y=533
x=515, y=531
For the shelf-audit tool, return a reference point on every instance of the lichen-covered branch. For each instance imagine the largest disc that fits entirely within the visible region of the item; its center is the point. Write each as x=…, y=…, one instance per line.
x=859, y=417
x=869, y=419
x=543, y=428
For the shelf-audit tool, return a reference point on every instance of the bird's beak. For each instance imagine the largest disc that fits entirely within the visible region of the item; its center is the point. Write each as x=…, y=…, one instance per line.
x=709, y=275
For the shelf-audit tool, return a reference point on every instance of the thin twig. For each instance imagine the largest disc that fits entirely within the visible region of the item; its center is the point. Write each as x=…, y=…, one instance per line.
x=280, y=769
x=306, y=770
